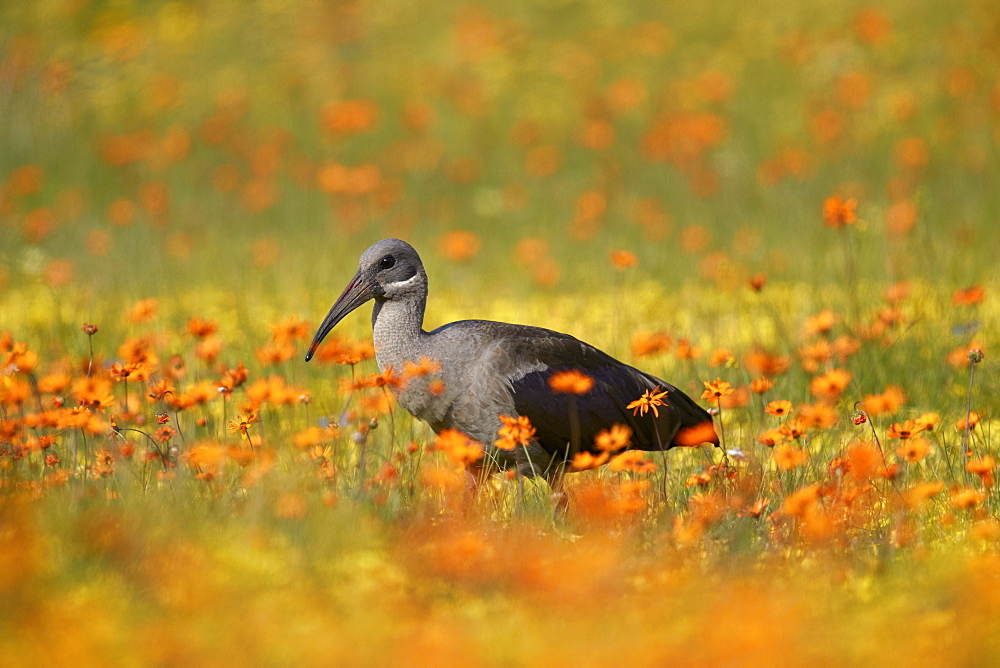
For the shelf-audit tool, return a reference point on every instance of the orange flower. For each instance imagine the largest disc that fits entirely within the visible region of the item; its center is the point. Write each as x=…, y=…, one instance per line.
x=927, y=421
x=982, y=467
x=721, y=357
x=912, y=450
x=771, y=437
x=242, y=423
x=969, y=296
x=963, y=424
x=289, y=330
x=349, y=116
x=200, y=328
x=787, y=457
x=830, y=384
x=618, y=437
x=583, y=461
x=917, y=495
x=838, y=212
x=572, y=381
x=459, y=245
x=761, y=385
x=757, y=281
x=966, y=498
x=458, y=447
x=516, y=430
x=425, y=366
x=906, y=429
x=779, y=408
x=715, y=390
x=649, y=400
x=143, y=310
x=766, y=363
x=820, y=323
x=685, y=351
x=634, y=461
x=623, y=259
x=650, y=343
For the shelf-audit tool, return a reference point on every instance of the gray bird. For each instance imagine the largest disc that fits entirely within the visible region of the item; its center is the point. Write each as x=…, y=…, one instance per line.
x=491, y=369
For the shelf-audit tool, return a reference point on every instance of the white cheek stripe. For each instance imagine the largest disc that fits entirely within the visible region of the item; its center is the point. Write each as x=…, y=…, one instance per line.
x=402, y=284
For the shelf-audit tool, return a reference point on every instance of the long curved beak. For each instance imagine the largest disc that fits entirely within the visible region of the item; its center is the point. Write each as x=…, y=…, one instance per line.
x=358, y=291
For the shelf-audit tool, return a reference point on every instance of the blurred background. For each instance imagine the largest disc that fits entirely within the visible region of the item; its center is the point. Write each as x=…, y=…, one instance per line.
x=256, y=148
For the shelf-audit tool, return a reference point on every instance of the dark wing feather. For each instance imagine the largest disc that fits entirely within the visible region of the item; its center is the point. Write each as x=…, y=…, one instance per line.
x=528, y=356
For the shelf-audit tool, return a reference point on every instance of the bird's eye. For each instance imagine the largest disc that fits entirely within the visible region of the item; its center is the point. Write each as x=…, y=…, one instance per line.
x=387, y=262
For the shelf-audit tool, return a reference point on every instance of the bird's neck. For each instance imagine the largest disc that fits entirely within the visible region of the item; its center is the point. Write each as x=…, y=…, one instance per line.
x=396, y=331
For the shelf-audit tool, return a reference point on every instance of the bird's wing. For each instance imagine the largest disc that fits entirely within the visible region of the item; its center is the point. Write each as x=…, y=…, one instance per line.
x=524, y=358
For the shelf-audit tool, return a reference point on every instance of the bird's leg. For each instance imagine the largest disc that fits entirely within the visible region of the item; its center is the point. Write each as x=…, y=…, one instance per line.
x=474, y=478
x=555, y=477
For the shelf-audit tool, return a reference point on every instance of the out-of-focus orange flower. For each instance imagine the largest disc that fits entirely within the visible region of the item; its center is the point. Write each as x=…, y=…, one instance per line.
x=143, y=310
x=912, y=450
x=872, y=26
x=289, y=330
x=345, y=117
x=912, y=153
x=26, y=180
x=645, y=344
x=831, y=384
x=819, y=415
x=800, y=502
x=425, y=366
x=820, y=323
x=715, y=390
x=888, y=401
x=571, y=381
x=623, y=259
x=459, y=245
x=854, y=89
x=900, y=218
x=966, y=498
x=583, y=461
x=787, y=457
x=685, y=351
x=839, y=212
x=515, y=431
x=597, y=135
x=632, y=460
x=458, y=447
x=757, y=281
x=794, y=428
x=771, y=437
x=968, y=423
x=969, y=296
x=542, y=161
x=200, y=328
x=982, y=467
x=765, y=363
x=618, y=437
x=918, y=495
x=761, y=385
x=649, y=400
x=721, y=357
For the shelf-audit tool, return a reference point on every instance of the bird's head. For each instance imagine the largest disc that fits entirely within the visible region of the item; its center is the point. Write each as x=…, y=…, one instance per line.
x=388, y=270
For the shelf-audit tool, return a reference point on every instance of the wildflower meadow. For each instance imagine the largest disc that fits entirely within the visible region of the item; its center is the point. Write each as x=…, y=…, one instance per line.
x=789, y=210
